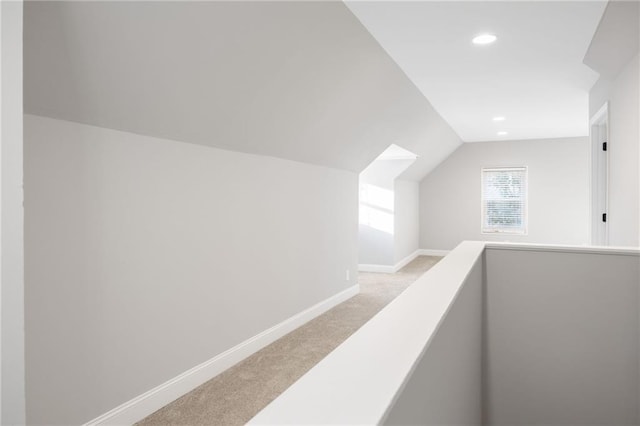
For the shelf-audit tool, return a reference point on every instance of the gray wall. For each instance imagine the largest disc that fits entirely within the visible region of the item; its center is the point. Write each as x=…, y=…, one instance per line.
x=561, y=338
x=375, y=247
x=623, y=95
x=558, y=192
x=445, y=387
x=406, y=219
x=12, y=401
x=146, y=257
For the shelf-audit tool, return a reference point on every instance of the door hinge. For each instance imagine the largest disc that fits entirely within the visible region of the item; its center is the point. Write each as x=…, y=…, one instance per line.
x=604, y=146
x=604, y=217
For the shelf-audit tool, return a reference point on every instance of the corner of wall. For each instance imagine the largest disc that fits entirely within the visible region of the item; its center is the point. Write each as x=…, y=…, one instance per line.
x=12, y=336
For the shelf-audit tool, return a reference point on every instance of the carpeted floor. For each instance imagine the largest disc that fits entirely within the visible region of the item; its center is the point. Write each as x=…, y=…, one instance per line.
x=238, y=394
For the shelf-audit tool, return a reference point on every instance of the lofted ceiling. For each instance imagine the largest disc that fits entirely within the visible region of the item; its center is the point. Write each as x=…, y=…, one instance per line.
x=619, y=28
x=533, y=75
x=303, y=81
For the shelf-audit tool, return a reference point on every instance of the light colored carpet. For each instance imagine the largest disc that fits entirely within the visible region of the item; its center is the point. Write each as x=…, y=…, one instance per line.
x=238, y=394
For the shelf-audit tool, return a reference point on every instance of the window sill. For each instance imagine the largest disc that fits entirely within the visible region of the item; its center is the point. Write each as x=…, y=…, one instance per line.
x=504, y=232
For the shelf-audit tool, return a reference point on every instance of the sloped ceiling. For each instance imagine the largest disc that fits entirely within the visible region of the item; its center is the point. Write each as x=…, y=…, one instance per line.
x=532, y=75
x=303, y=81
x=617, y=39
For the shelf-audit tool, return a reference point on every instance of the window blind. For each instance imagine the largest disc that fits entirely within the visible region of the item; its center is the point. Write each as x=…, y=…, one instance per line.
x=504, y=198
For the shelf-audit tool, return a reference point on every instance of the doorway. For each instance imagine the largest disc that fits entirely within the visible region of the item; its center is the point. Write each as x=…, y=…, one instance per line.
x=600, y=146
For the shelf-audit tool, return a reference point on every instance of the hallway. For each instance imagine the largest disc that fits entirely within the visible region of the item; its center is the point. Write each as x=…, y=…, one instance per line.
x=235, y=396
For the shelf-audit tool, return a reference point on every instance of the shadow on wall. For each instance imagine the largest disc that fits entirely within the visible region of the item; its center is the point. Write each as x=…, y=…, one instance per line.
x=375, y=246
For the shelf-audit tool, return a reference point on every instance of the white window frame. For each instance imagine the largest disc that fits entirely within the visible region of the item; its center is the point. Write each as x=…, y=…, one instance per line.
x=525, y=209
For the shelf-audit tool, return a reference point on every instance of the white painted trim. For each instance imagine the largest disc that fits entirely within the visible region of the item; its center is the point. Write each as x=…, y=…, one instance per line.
x=143, y=405
x=625, y=251
x=406, y=261
x=429, y=252
x=595, y=210
x=387, y=269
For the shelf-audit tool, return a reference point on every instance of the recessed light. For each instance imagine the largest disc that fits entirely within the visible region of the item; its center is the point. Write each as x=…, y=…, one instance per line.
x=484, y=39
x=502, y=133
x=498, y=118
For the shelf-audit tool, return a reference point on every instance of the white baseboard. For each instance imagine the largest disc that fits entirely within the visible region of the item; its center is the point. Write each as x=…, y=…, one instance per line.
x=387, y=269
x=428, y=252
x=149, y=402
x=405, y=261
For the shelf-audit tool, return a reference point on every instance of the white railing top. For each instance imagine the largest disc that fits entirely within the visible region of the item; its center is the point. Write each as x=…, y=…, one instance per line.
x=627, y=251
x=358, y=382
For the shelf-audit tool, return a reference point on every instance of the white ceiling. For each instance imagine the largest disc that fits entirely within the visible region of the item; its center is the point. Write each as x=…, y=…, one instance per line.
x=395, y=152
x=533, y=74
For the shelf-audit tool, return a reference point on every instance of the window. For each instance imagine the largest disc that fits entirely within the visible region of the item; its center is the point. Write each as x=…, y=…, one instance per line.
x=504, y=200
